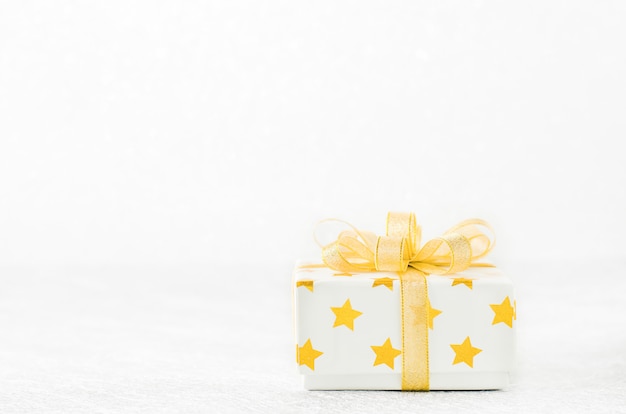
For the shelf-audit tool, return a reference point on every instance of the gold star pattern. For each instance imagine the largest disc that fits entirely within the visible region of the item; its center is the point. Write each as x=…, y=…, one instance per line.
x=432, y=314
x=463, y=281
x=306, y=283
x=384, y=281
x=504, y=313
x=465, y=352
x=385, y=354
x=515, y=309
x=342, y=274
x=345, y=315
x=307, y=355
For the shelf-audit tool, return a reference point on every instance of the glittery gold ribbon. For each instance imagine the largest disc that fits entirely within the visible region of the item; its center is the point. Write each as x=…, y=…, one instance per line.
x=399, y=251
x=415, y=362
x=362, y=251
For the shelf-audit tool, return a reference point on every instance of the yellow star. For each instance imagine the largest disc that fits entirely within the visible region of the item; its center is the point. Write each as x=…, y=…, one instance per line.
x=385, y=354
x=462, y=281
x=465, y=352
x=515, y=309
x=383, y=281
x=306, y=283
x=504, y=312
x=432, y=314
x=342, y=274
x=345, y=315
x=307, y=355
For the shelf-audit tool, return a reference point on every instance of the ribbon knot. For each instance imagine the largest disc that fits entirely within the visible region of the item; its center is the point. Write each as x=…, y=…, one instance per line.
x=456, y=250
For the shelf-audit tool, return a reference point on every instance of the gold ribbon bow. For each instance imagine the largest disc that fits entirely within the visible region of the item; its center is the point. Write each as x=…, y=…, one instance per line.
x=399, y=251
x=362, y=251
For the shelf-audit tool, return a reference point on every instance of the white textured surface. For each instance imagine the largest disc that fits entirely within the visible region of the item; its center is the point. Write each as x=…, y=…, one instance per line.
x=217, y=340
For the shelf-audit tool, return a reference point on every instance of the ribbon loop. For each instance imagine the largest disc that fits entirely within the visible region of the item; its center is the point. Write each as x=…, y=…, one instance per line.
x=391, y=254
x=458, y=249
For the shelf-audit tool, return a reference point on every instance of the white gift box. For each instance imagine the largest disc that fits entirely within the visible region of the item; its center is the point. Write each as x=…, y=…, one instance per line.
x=349, y=329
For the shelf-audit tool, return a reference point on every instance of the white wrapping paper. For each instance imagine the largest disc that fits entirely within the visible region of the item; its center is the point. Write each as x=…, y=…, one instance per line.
x=348, y=329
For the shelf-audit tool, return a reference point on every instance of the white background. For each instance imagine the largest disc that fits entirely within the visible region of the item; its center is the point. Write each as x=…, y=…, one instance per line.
x=157, y=132
x=213, y=135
